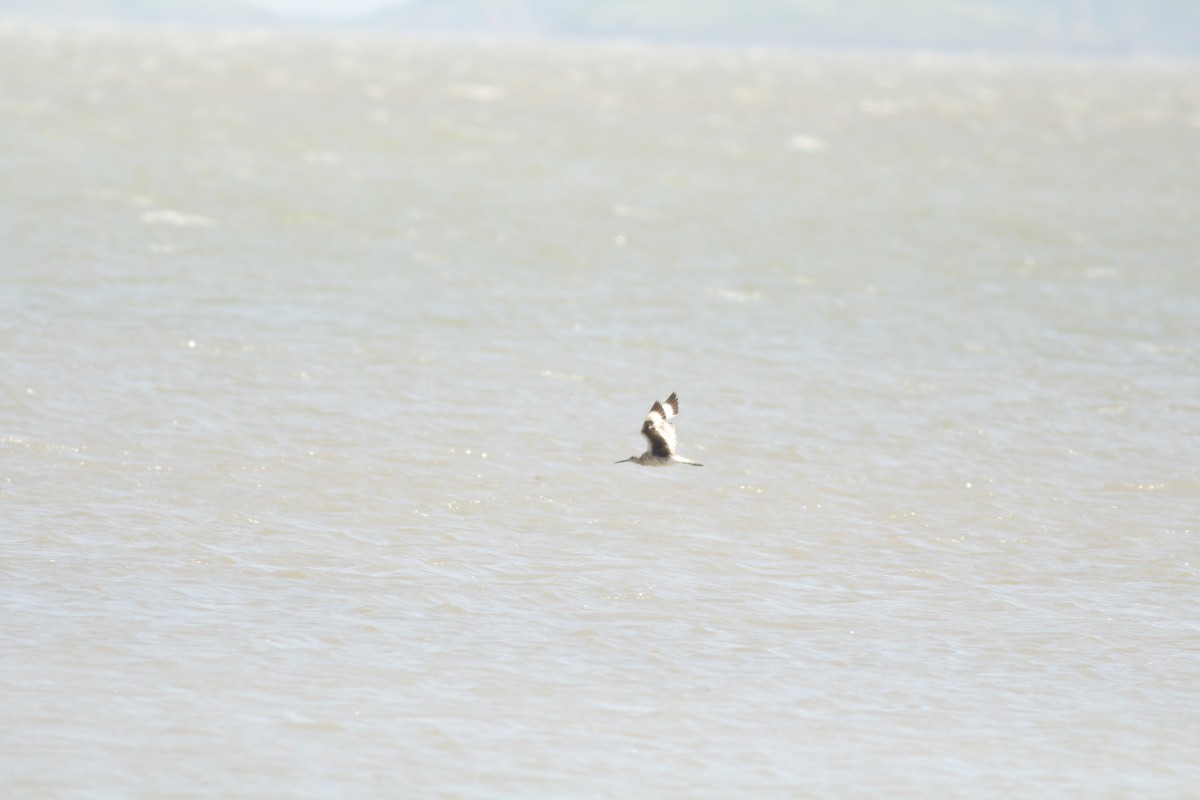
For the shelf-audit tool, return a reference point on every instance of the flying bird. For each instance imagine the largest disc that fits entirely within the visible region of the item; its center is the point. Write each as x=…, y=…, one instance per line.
x=660, y=433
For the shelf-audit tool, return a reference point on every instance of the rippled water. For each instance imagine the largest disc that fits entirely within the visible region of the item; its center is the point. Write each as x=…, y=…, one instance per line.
x=318, y=352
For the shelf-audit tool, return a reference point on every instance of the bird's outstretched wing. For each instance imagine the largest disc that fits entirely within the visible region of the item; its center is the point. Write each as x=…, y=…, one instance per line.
x=658, y=430
x=671, y=405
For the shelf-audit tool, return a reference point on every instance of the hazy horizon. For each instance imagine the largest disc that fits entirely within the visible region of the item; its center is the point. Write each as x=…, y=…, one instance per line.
x=1117, y=27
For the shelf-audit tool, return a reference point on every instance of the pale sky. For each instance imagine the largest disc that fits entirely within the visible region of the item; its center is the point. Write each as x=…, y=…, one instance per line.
x=324, y=8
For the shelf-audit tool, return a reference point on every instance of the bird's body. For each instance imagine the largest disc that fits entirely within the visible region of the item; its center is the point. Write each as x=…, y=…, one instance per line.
x=660, y=433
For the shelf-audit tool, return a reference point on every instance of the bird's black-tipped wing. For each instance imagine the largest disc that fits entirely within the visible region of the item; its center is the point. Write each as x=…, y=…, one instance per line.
x=672, y=405
x=658, y=431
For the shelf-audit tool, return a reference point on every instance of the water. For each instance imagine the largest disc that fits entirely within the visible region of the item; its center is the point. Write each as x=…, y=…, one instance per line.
x=318, y=352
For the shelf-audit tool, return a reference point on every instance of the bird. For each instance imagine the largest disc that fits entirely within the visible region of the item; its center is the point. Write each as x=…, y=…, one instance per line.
x=660, y=433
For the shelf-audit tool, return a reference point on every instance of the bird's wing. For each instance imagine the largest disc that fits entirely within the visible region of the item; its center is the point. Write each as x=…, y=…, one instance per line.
x=671, y=405
x=659, y=432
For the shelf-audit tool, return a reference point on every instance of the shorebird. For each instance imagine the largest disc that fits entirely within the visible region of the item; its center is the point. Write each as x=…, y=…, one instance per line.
x=660, y=433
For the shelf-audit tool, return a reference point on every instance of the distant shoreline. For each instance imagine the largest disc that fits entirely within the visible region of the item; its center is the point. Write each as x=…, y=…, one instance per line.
x=101, y=27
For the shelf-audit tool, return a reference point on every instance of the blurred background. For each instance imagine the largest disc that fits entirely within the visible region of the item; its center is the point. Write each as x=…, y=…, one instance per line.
x=1112, y=27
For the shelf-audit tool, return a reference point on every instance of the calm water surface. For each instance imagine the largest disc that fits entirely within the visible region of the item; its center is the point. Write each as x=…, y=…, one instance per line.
x=318, y=352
